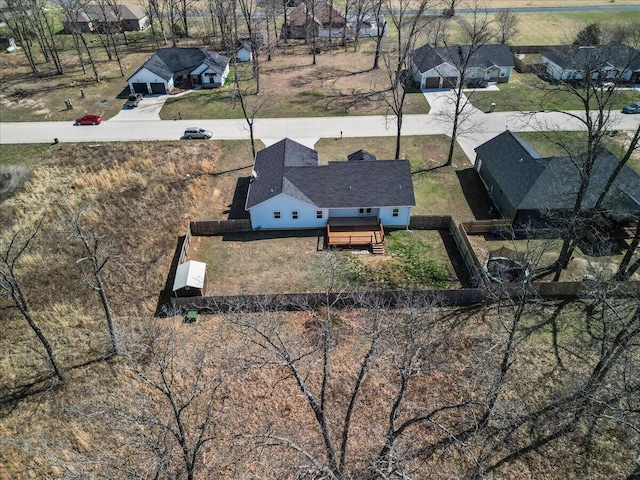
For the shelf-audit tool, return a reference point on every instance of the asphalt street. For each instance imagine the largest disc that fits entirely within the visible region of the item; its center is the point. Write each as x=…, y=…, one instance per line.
x=478, y=128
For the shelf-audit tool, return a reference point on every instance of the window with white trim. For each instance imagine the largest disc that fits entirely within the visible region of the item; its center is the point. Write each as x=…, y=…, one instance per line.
x=276, y=215
x=318, y=213
x=396, y=212
x=294, y=215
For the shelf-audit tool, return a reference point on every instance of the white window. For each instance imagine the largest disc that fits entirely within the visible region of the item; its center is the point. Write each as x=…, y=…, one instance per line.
x=318, y=213
x=364, y=210
x=503, y=74
x=294, y=215
x=276, y=215
x=396, y=212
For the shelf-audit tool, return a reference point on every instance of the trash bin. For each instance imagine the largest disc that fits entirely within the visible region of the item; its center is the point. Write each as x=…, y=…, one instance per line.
x=492, y=107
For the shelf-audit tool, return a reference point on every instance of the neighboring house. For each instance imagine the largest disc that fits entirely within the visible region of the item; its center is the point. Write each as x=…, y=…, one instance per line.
x=290, y=190
x=93, y=16
x=531, y=189
x=317, y=20
x=439, y=67
x=179, y=66
x=368, y=25
x=601, y=63
x=244, y=52
x=190, y=279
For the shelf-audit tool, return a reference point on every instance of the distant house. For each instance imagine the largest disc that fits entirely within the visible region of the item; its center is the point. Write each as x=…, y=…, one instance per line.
x=179, y=66
x=369, y=25
x=93, y=16
x=439, y=67
x=244, y=52
x=319, y=19
x=190, y=279
x=290, y=190
x=602, y=62
x=529, y=189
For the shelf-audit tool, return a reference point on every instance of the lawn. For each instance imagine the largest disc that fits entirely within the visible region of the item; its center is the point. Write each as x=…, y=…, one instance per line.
x=528, y=92
x=290, y=86
x=548, y=144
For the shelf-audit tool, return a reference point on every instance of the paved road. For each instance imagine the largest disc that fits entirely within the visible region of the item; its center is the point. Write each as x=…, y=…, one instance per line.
x=486, y=125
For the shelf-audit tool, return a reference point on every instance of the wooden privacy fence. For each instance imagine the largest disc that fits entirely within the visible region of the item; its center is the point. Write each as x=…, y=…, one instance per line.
x=185, y=246
x=429, y=222
x=306, y=301
x=219, y=227
x=487, y=226
x=466, y=252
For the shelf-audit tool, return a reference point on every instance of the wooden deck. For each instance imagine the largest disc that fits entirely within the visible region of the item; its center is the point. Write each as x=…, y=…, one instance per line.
x=356, y=232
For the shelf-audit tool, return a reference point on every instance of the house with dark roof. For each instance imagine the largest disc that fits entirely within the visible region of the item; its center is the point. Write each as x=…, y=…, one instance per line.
x=530, y=189
x=114, y=17
x=244, y=52
x=289, y=189
x=317, y=19
x=179, y=66
x=440, y=67
x=600, y=63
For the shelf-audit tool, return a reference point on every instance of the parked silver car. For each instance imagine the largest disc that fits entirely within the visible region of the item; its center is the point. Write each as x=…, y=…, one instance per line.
x=196, y=132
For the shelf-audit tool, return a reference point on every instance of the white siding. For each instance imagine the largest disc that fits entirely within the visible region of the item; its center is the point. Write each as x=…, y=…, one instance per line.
x=145, y=76
x=262, y=214
x=402, y=220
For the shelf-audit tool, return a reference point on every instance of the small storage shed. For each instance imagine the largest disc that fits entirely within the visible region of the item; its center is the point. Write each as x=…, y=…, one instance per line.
x=191, y=279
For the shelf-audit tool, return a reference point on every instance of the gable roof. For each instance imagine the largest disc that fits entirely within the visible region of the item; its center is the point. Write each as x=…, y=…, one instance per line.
x=534, y=183
x=361, y=156
x=168, y=62
x=427, y=57
x=190, y=274
x=322, y=11
x=290, y=168
x=592, y=57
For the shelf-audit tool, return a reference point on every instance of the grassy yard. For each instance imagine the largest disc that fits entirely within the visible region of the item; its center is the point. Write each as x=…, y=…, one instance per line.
x=547, y=144
x=290, y=86
x=528, y=92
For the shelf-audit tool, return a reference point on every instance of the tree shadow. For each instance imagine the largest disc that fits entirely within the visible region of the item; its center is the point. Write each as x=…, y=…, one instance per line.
x=476, y=195
x=163, y=309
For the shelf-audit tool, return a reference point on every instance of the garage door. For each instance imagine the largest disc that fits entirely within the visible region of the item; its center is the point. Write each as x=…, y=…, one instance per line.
x=432, y=82
x=140, y=88
x=449, y=82
x=158, y=88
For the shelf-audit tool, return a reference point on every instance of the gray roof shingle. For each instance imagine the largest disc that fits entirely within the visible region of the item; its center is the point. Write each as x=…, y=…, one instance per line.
x=168, y=62
x=427, y=57
x=587, y=58
x=291, y=168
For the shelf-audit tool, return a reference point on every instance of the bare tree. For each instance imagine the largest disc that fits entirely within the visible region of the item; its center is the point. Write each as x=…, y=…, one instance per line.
x=249, y=108
x=249, y=10
x=507, y=23
x=381, y=26
x=478, y=31
x=17, y=23
x=14, y=297
x=74, y=14
x=97, y=257
x=409, y=23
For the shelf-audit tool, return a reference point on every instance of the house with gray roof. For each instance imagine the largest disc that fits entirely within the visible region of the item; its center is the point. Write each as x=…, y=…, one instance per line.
x=289, y=189
x=599, y=62
x=530, y=189
x=116, y=18
x=169, y=67
x=440, y=67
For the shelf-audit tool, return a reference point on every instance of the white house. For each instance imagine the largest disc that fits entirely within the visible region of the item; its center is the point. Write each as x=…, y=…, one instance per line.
x=602, y=62
x=290, y=190
x=368, y=25
x=171, y=67
x=439, y=67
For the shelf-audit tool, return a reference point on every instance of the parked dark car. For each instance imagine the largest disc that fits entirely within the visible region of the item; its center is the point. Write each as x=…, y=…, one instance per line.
x=133, y=100
x=633, y=108
x=89, y=119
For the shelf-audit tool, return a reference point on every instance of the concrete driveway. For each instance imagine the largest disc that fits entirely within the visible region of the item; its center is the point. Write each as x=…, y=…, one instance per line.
x=148, y=109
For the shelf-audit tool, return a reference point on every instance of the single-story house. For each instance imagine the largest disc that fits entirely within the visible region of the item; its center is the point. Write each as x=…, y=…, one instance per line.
x=244, y=52
x=92, y=16
x=368, y=25
x=439, y=67
x=602, y=62
x=179, y=66
x=530, y=189
x=289, y=189
x=326, y=21
x=190, y=280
